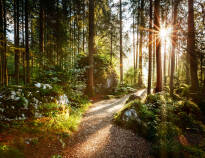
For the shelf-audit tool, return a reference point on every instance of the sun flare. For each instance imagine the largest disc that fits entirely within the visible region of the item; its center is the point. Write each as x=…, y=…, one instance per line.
x=165, y=33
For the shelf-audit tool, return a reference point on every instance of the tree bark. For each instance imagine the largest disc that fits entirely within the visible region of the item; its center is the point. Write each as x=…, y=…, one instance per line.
x=41, y=35
x=134, y=65
x=27, y=43
x=121, y=52
x=158, y=45
x=173, y=47
x=91, y=48
x=191, y=47
x=150, y=51
x=16, y=39
x=140, y=83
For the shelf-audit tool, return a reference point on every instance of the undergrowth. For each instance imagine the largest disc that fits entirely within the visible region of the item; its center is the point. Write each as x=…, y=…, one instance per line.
x=167, y=123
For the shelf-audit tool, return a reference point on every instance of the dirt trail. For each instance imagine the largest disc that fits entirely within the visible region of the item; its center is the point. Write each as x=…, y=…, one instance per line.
x=98, y=137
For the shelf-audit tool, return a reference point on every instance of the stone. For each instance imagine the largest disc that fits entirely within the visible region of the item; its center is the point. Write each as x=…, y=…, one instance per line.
x=132, y=97
x=131, y=115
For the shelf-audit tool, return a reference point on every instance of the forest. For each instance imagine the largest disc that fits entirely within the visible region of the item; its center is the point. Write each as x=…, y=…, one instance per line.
x=102, y=78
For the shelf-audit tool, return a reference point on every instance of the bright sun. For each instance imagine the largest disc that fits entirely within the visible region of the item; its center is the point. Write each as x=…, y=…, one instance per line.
x=165, y=33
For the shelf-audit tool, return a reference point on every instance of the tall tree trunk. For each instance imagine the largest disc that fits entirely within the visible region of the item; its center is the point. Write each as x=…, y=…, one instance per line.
x=16, y=39
x=83, y=26
x=23, y=41
x=121, y=52
x=2, y=42
x=191, y=47
x=187, y=68
x=41, y=32
x=137, y=47
x=158, y=45
x=134, y=65
x=91, y=48
x=27, y=43
x=140, y=83
x=174, y=38
x=150, y=51
x=4, y=46
x=111, y=53
x=154, y=59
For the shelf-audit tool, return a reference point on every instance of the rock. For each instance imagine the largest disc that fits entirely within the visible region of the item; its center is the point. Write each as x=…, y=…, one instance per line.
x=38, y=85
x=130, y=115
x=63, y=100
x=133, y=97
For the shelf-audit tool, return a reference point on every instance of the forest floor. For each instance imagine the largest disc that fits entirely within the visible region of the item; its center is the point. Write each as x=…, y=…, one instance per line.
x=98, y=137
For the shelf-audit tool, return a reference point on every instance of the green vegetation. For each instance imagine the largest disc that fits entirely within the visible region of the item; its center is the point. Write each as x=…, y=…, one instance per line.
x=168, y=123
x=10, y=152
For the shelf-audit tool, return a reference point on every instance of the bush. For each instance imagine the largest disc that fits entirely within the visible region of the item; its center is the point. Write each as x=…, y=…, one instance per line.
x=106, y=78
x=163, y=120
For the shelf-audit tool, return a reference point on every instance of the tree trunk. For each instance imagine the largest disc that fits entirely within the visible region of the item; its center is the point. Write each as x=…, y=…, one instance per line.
x=91, y=48
x=111, y=48
x=4, y=46
x=137, y=47
x=41, y=35
x=173, y=47
x=121, y=52
x=16, y=39
x=158, y=45
x=191, y=47
x=1, y=42
x=140, y=83
x=134, y=65
x=150, y=52
x=27, y=43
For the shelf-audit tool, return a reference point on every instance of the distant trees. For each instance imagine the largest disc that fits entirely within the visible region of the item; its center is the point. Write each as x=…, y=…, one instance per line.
x=55, y=33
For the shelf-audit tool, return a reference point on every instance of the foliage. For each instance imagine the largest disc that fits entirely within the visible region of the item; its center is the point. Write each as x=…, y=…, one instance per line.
x=105, y=75
x=10, y=152
x=163, y=121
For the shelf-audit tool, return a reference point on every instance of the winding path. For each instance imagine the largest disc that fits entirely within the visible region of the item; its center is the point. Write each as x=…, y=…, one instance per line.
x=98, y=137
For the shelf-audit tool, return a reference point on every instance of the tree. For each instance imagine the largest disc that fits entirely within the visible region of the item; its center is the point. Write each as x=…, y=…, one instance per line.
x=41, y=32
x=150, y=51
x=27, y=43
x=174, y=42
x=3, y=60
x=91, y=48
x=134, y=64
x=158, y=45
x=16, y=39
x=141, y=43
x=191, y=47
x=121, y=52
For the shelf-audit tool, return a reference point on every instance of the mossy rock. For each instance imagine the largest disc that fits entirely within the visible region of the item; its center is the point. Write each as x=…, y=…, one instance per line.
x=133, y=97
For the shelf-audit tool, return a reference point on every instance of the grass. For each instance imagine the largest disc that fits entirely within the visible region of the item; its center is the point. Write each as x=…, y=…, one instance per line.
x=56, y=123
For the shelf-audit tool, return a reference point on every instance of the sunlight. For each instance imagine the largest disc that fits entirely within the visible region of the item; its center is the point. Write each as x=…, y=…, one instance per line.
x=165, y=33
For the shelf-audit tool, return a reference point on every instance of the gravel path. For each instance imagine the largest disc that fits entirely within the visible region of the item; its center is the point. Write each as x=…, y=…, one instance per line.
x=98, y=137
